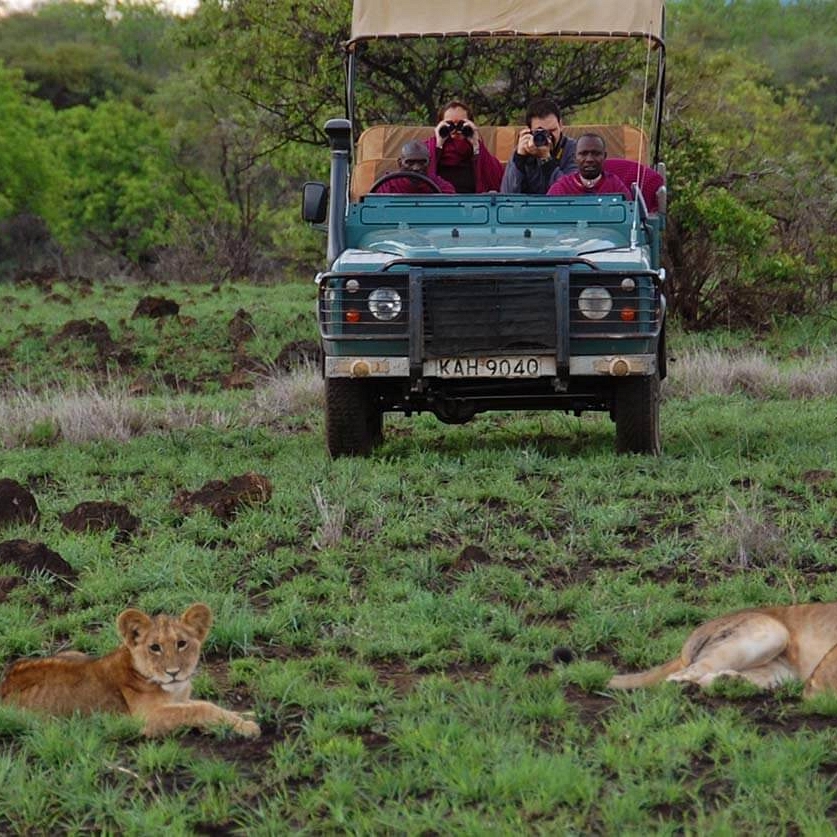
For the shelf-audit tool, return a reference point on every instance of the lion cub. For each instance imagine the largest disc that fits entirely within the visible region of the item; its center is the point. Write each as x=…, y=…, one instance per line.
x=149, y=676
x=765, y=645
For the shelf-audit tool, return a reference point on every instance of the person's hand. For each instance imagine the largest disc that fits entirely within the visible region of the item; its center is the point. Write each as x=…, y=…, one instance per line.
x=475, y=135
x=525, y=143
x=440, y=141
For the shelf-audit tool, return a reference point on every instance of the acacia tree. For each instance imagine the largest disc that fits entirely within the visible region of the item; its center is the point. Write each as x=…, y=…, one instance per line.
x=286, y=58
x=266, y=76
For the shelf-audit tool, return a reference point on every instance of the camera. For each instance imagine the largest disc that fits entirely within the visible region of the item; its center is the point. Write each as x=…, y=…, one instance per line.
x=541, y=137
x=456, y=128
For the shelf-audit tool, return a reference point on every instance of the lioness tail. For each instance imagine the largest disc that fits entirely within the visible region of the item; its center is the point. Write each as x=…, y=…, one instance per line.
x=645, y=678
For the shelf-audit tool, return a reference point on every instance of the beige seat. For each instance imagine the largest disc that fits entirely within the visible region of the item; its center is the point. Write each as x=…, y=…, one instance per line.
x=378, y=147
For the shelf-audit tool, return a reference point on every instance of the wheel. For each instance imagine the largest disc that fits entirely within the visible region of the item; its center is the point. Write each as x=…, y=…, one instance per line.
x=637, y=415
x=354, y=422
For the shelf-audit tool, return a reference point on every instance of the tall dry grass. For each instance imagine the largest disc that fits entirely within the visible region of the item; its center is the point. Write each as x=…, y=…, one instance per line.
x=713, y=372
x=95, y=413
x=111, y=412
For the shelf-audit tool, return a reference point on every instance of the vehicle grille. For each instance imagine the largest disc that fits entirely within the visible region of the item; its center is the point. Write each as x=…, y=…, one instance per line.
x=475, y=314
x=500, y=315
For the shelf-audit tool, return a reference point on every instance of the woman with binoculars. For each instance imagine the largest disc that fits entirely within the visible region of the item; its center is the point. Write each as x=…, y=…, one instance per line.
x=459, y=155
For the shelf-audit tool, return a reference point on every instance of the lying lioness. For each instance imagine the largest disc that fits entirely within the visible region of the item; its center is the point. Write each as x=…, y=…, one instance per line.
x=149, y=676
x=765, y=645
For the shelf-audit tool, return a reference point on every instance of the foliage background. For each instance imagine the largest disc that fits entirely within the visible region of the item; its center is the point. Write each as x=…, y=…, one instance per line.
x=137, y=142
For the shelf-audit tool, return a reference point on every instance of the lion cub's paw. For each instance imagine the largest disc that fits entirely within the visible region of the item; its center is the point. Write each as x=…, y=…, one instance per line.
x=249, y=729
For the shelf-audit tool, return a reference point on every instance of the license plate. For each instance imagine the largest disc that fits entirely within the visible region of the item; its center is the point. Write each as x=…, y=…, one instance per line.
x=516, y=366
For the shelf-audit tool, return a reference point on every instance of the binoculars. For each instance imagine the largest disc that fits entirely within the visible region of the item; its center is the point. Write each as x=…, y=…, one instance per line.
x=456, y=128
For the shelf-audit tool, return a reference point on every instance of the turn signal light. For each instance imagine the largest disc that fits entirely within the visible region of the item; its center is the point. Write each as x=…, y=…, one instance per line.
x=627, y=315
x=353, y=315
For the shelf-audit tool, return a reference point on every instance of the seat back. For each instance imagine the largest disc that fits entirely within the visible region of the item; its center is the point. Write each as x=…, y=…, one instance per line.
x=379, y=146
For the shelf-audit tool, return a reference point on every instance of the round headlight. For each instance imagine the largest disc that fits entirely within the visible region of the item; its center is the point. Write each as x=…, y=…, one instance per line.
x=385, y=303
x=595, y=303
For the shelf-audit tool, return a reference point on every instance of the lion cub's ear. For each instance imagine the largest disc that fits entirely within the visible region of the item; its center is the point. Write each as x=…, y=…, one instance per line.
x=199, y=618
x=130, y=623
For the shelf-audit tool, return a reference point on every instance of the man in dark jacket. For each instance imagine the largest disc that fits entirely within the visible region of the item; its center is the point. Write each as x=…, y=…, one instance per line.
x=543, y=152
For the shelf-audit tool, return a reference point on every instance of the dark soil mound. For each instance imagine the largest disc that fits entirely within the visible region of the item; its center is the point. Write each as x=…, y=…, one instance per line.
x=92, y=331
x=241, y=327
x=35, y=557
x=224, y=499
x=299, y=353
x=156, y=307
x=99, y=516
x=17, y=504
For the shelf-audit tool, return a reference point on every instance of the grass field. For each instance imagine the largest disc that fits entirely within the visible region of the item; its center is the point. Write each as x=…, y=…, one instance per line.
x=391, y=621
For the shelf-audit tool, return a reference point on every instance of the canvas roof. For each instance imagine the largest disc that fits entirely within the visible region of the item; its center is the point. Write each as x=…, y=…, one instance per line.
x=535, y=18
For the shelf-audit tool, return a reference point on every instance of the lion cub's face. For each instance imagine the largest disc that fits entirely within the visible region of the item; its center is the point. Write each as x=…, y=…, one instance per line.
x=164, y=649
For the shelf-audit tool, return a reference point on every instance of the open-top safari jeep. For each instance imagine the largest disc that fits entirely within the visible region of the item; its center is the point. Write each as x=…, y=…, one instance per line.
x=459, y=304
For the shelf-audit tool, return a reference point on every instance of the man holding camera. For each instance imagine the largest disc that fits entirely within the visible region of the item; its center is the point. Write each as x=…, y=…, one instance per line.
x=543, y=152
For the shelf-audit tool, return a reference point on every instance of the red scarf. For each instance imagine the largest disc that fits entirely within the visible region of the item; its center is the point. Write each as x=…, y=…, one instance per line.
x=456, y=150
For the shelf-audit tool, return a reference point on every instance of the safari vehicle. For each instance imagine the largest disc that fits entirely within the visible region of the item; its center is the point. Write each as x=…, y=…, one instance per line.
x=459, y=304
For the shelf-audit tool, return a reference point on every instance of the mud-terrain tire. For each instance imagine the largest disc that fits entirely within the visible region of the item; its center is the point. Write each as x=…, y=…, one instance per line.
x=637, y=415
x=353, y=419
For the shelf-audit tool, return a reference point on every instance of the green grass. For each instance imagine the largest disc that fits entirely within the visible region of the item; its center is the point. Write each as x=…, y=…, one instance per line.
x=404, y=683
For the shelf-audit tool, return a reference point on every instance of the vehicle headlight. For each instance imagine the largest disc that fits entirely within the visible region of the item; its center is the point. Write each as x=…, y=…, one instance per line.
x=595, y=303
x=385, y=303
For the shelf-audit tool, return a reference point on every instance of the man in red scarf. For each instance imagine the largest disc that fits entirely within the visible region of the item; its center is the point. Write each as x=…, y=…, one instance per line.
x=458, y=154
x=591, y=178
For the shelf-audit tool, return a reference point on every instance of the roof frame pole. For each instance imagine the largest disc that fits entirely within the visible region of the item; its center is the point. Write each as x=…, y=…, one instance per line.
x=661, y=85
x=351, y=72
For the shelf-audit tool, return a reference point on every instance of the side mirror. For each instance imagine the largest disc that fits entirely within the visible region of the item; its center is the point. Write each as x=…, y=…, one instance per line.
x=314, y=202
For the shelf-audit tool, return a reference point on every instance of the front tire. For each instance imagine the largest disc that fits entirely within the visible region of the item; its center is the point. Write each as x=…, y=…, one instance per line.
x=353, y=419
x=637, y=415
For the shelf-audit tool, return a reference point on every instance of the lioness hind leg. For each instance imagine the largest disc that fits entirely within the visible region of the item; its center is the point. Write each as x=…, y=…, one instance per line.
x=765, y=677
x=196, y=713
x=824, y=677
x=739, y=644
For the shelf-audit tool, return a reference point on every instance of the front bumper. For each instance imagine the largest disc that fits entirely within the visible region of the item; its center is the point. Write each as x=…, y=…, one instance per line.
x=615, y=366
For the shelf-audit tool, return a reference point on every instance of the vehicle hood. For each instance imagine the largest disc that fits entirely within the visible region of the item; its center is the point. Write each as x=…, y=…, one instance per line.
x=601, y=243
